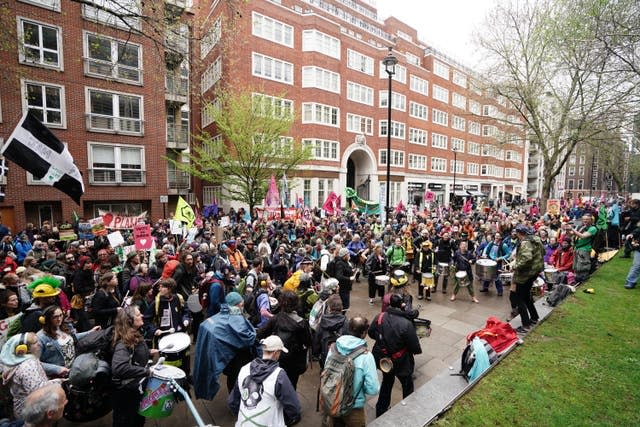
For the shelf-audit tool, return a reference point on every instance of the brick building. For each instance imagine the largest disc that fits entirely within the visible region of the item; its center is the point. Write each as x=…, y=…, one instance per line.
x=117, y=98
x=324, y=59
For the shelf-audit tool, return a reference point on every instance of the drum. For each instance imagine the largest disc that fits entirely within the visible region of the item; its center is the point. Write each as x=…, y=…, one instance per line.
x=506, y=278
x=552, y=276
x=273, y=303
x=382, y=281
x=193, y=304
x=86, y=404
x=423, y=327
x=443, y=269
x=427, y=279
x=158, y=399
x=461, y=277
x=174, y=347
x=486, y=269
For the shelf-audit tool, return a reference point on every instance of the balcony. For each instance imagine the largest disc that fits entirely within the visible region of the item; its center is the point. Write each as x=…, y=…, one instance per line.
x=178, y=182
x=177, y=136
x=111, y=124
x=176, y=88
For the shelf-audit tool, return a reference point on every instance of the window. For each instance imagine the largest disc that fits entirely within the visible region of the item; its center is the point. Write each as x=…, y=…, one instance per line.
x=439, y=141
x=211, y=194
x=271, y=105
x=440, y=117
x=459, y=101
x=439, y=69
x=397, y=129
x=211, y=75
x=513, y=156
x=418, y=111
x=359, y=93
x=130, y=209
x=473, y=148
x=572, y=159
x=46, y=101
x=272, y=68
x=489, y=130
x=315, y=41
x=438, y=164
x=116, y=164
x=572, y=170
x=359, y=124
x=41, y=44
x=321, y=78
x=213, y=147
x=512, y=173
x=486, y=170
x=359, y=62
x=417, y=136
x=498, y=171
x=325, y=186
x=418, y=162
x=583, y=159
x=271, y=29
x=440, y=93
x=211, y=38
x=207, y=114
x=114, y=112
x=570, y=184
x=475, y=107
x=489, y=110
x=320, y=114
x=412, y=59
x=306, y=192
x=473, y=169
x=397, y=158
x=580, y=184
x=459, y=123
x=459, y=79
x=400, y=76
x=123, y=14
x=419, y=85
x=47, y=4
x=581, y=170
x=115, y=59
x=456, y=166
x=398, y=101
x=322, y=149
x=474, y=128
x=457, y=144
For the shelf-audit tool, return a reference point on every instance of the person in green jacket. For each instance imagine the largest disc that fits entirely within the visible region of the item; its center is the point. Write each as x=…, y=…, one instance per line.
x=583, y=243
x=396, y=255
x=529, y=263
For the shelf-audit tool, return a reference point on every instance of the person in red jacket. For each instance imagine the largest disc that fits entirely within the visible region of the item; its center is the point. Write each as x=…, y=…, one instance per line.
x=562, y=260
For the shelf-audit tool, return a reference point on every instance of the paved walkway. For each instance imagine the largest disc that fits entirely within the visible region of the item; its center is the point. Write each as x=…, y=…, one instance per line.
x=451, y=322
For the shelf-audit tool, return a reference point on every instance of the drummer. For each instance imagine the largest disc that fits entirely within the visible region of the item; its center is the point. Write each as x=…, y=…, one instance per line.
x=444, y=255
x=396, y=254
x=376, y=266
x=424, y=263
x=499, y=251
x=463, y=261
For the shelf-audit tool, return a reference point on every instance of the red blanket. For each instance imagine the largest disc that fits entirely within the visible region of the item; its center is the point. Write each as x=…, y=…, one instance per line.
x=500, y=335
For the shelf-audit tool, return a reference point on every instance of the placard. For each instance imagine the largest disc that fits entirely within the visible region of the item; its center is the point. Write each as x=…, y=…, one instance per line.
x=225, y=221
x=10, y=324
x=115, y=239
x=553, y=206
x=65, y=231
x=97, y=227
x=142, y=236
x=117, y=221
x=84, y=231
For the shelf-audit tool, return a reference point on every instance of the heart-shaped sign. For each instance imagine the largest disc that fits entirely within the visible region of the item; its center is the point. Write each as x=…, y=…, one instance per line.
x=143, y=242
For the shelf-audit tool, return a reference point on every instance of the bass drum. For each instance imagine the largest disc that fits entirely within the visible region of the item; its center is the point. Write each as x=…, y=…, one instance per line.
x=86, y=404
x=486, y=269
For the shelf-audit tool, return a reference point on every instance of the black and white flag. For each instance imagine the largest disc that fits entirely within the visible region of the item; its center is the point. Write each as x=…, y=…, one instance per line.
x=34, y=148
x=3, y=167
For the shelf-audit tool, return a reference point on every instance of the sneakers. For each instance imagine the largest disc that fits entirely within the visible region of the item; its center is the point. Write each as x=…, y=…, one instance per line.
x=475, y=300
x=534, y=322
x=630, y=286
x=428, y=298
x=370, y=301
x=522, y=329
x=453, y=298
x=420, y=297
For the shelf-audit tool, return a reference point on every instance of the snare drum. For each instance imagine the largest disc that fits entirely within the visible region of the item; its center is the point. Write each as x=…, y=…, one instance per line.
x=486, y=269
x=443, y=269
x=175, y=347
x=506, y=278
x=423, y=327
x=461, y=277
x=382, y=280
x=427, y=280
x=158, y=399
x=551, y=275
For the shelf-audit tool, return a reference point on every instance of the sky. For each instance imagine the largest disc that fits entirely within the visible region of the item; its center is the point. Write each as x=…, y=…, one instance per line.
x=447, y=25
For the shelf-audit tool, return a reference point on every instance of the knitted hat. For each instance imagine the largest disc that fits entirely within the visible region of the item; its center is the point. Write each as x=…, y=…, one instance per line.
x=233, y=298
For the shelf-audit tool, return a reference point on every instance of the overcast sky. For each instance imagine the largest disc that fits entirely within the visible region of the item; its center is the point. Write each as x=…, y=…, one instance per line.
x=447, y=25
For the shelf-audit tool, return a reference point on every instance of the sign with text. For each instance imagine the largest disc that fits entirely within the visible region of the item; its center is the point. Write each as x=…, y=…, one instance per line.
x=66, y=232
x=84, y=231
x=142, y=236
x=553, y=206
x=429, y=196
x=97, y=227
x=115, y=239
x=117, y=221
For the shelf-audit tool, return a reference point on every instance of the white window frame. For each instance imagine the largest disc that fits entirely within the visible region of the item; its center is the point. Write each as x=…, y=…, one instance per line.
x=458, y=123
x=322, y=149
x=46, y=4
x=418, y=136
x=207, y=114
x=271, y=29
x=457, y=144
x=320, y=114
x=411, y=58
x=473, y=148
x=267, y=67
x=459, y=101
x=417, y=162
x=571, y=171
x=360, y=62
x=397, y=158
x=418, y=111
x=475, y=128
x=439, y=117
x=113, y=66
x=439, y=93
x=398, y=100
x=118, y=164
x=211, y=75
x=211, y=38
x=439, y=141
x=419, y=85
x=398, y=129
x=400, y=76
x=320, y=78
x=282, y=105
x=580, y=185
x=475, y=107
x=25, y=102
x=473, y=169
x=458, y=165
x=581, y=170
x=317, y=41
x=116, y=120
x=438, y=164
x=359, y=93
x=440, y=69
x=489, y=130
x=359, y=124
x=459, y=78
x=130, y=12
x=40, y=62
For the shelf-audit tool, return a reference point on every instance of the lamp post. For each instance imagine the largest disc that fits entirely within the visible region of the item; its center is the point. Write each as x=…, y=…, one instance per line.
x=389, y=62
x=455, y=166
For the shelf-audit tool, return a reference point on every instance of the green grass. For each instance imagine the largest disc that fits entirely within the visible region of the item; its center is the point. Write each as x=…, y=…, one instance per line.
x=581, y=367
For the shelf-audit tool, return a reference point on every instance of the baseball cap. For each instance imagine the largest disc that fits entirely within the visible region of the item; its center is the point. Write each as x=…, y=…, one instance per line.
x=273, y=343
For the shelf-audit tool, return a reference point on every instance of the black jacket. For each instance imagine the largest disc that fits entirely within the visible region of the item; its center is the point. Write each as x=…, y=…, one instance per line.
x=296, y=336
x=343, y=274
x=395, y=334
x=332, y=326
x=444, y=252
x=104, y=308
x=128, y=366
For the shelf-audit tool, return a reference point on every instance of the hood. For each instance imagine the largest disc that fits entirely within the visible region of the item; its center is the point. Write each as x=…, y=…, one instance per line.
x=260, y=369
x=332, y=322
x=347, y=343
x=288, y=322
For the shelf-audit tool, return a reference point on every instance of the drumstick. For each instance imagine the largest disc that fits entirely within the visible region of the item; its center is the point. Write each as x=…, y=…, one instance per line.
x=168, y=331
x=166, y=347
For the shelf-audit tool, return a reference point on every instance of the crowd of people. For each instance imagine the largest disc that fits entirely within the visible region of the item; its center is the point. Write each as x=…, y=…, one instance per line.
x=261, y=299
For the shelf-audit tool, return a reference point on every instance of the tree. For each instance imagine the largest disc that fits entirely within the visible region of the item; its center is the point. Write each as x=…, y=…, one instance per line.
x=541, y=58
x=251, y=145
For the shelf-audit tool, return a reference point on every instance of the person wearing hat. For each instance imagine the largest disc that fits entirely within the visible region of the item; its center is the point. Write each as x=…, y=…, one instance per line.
x=499, y=251
x=250, y=252
x=398, y=285
x=263, y=394
x=424, y=262
x=44, y=294
x=225, y=344
x=528, y=264
x=304, y=267
x=345, y=275
x=562, y=260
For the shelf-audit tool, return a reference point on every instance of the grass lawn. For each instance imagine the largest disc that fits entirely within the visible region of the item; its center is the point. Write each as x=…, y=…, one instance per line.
x=581, y=367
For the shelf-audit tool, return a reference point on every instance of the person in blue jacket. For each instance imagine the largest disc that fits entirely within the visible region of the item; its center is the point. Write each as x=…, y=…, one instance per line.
x=226, y=342
x=365, y=377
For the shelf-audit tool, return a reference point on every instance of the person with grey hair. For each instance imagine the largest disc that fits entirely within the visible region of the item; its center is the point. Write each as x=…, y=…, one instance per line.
x=44, y=406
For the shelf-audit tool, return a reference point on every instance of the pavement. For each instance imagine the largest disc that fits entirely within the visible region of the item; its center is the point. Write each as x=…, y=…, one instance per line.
x=451, y=321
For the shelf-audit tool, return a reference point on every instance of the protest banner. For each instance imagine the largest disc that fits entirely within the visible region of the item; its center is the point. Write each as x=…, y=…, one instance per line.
x=9, y=325
x=115, y=239
x=97, y=227
x=142, y=236
x=116, y=221
x=84, y=231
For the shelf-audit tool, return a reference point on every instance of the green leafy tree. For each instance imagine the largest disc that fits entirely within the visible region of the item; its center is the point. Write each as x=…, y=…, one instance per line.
x=250, y=147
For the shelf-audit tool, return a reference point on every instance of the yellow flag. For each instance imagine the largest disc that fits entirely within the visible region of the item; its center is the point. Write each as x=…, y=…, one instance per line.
x=184, y=212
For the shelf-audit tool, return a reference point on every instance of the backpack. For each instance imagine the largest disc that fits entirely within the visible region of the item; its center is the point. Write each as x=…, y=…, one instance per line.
x=469, y=359
x=251, y=307
x=96, y=342
x=315, y=315
x=337, y=395
x=331, y=268
x=559, y=293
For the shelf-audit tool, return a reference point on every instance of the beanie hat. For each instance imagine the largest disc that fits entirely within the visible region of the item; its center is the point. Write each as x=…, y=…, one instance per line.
x=233, y=298
x=343, y=252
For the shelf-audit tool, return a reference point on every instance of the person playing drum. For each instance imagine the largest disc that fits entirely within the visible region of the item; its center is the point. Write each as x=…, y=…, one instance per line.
x=498, y=251
x=396, y=255
x=376, y=266
x=463, y=259
x=424, y=262
x=444, y=255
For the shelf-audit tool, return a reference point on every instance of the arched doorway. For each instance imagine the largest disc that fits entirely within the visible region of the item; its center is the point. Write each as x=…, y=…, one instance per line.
x=360, y=171
x=351, y=173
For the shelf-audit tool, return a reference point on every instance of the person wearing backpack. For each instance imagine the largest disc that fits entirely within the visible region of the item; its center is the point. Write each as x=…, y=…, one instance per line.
x=349, y=375
x=396, y=339
x=333, y=324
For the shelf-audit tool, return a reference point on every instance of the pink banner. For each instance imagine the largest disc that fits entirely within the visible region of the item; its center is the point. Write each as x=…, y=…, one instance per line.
x=142, y=236
x=116, y=221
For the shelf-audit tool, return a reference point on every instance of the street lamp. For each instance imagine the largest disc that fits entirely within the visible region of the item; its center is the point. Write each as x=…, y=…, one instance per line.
x=389, y=62
x=455, y=166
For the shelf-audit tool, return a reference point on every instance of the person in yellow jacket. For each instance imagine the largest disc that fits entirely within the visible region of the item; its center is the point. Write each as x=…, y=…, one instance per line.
x=292, y=283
